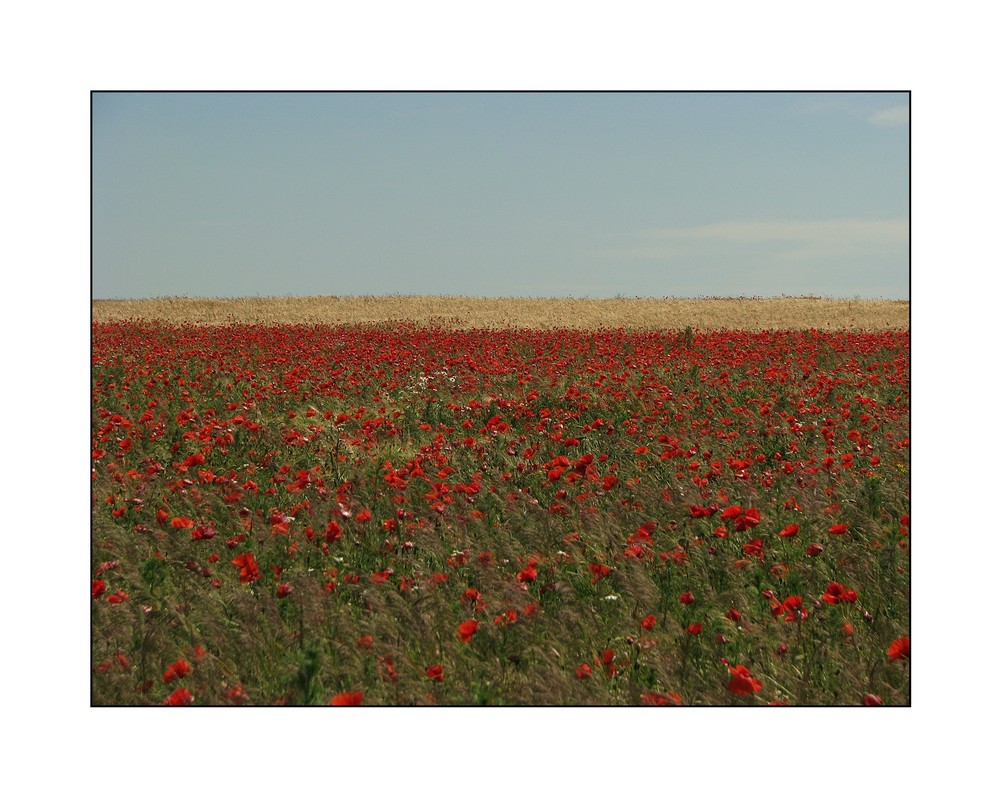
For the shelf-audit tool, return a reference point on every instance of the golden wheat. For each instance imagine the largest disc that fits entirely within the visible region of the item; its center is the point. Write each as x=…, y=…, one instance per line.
x=706, y=314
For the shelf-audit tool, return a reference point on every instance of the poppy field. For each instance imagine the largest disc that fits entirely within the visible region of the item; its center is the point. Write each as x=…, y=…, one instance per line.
x=402, y=514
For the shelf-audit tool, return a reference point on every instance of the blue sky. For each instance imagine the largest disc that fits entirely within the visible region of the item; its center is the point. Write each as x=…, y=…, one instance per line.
x=500, y=194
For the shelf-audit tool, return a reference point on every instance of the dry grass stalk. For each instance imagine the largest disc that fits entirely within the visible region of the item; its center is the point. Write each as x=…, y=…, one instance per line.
x=751, y=314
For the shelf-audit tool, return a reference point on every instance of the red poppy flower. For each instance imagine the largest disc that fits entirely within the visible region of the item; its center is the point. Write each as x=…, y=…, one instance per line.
x=249, y=571
x=794, y=612
x=388, y=669
x=607, y=658
x=181, y=522
x=899, y=649
x=436, y=672
x=472, y=597
x=871, y=700
x=284, y=590
x=506, y=617
x=789, y=531
x=754, y=548
x=179, y=697
x=687, y=598
x=467, y=630
x=97, y=588
x=832, y=593
x=118, y=597
x=839, y=528
x=333, y=531
x=203, y=532
x=694, y=628
x=528, y=574
x=600, y=571
x=347, y=699
x=648, y=622
x=177, y=670
x=731, y=512
x=814, y=550
x=734, y=615
x=583, y=671
x=742, y=683
x=655, y=698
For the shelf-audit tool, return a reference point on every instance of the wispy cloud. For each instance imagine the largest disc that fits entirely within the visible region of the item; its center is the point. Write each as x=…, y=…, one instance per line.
x=828, y=236
x=896, y=116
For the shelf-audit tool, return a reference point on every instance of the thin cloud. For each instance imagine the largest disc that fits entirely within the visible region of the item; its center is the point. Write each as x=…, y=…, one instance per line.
x=896, y=116
x=787, y=230
x=831, y=235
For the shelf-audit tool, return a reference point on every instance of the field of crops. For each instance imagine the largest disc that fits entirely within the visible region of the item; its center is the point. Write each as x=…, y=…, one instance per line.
x=401, y=514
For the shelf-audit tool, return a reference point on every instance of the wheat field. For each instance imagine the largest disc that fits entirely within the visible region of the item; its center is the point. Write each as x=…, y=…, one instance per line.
x=703, y=314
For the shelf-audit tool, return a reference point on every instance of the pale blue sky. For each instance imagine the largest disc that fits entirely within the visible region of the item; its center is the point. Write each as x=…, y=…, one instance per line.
x=501, y=194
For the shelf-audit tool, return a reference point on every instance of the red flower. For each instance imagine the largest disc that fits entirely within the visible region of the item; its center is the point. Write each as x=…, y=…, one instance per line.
x=473, y=597
x=608, y=659
x=583, y=671
x=789, y=531
x=731, y=512
x=694, y=628
x=655, y=698
x=436, y=672
x=467, y=630
x=347, y=699
x=734, y=615
x=832, y=593
x=333, y=531
x=389, y=669
x=97, y=588
x=899, y=649
x=793, y=609
x=754, y=548
x=600, y=571
x=507, y=616
x=528, y=574
x=180, y=697
x=687, y=598
x=835, y=593
x=181, y=522
x=871, y=700
x=247, y=564
x=284, y=590
x=814, y=550
x=648, y=622
x=177, y=670
x=118, y=597
x=742, y=683
x=839, y=528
